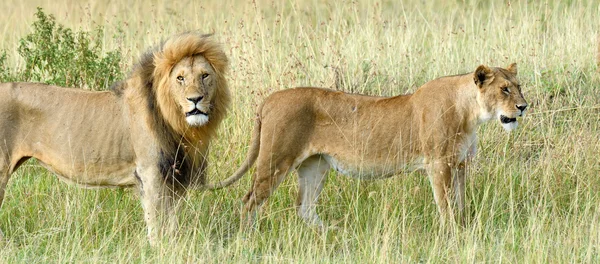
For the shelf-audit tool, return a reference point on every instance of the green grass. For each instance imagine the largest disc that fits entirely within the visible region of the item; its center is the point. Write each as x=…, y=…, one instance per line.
x=532, y=195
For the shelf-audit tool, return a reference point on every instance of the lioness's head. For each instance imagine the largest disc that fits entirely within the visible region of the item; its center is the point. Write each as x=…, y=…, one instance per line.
x=190, y=82
x=500, y=94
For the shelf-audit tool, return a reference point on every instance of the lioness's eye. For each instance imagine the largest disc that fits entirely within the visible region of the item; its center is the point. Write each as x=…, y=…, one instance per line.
x=180, y=78
x=204, y=76
x=505, y=90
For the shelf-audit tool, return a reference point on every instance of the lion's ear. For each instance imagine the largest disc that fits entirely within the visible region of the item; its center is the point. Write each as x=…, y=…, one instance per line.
x=483, y=75
x=512, y=68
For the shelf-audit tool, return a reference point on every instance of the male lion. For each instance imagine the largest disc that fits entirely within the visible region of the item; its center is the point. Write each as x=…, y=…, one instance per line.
x=151, y=131
x=313, y=130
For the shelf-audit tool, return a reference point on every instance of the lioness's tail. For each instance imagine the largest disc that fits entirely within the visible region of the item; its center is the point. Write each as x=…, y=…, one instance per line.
x=250, y=159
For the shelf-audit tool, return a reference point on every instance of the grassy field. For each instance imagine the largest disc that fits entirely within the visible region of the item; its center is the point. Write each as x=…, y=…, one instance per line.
x=532, y=195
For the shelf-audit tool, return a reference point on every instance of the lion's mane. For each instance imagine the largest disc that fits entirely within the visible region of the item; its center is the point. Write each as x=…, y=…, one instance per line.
x=183, y=147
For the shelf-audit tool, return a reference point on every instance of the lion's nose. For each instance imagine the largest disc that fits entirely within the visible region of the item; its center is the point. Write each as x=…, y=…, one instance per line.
x=195, y=100
x=521, y=107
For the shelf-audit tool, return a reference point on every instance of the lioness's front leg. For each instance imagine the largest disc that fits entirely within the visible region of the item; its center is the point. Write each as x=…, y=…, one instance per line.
x=459, y=190
x=459, y=178
x=440, y=177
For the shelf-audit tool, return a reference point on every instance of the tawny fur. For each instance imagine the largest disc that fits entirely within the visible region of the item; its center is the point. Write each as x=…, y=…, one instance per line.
x=314, y=129
x=135, y=135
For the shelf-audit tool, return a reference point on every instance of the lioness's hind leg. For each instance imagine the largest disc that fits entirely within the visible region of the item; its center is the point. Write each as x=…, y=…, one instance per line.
x=266, y=180
x=311, y=177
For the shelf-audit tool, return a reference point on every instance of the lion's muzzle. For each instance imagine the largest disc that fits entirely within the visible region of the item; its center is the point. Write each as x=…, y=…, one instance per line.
x=196, y=111
x=196, y=117
x=195, y=103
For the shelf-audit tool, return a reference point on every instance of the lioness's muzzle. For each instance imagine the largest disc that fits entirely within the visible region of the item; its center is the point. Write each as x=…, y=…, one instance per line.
x=505, y=119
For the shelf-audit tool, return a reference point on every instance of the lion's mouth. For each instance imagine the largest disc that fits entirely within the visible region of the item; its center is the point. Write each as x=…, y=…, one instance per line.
x=505, y=119
x=196, y=111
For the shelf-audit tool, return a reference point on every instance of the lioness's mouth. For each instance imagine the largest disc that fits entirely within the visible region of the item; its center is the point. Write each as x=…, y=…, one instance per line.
x=505, y=119
x=196, y=111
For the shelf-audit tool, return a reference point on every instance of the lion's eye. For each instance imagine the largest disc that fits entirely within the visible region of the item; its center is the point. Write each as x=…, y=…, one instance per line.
x=505, y=90
x=180, y=79
x=204, y=76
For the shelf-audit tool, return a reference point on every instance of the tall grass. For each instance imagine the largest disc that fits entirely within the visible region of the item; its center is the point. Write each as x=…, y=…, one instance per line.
x=532, y=195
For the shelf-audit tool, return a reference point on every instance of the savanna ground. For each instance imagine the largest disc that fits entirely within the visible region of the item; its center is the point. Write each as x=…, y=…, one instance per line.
x=532, y=195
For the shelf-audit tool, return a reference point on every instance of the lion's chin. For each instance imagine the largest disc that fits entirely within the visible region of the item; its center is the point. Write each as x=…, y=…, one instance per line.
x=197, y=120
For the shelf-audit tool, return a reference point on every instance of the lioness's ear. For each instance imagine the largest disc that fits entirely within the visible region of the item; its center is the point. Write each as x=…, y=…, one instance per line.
x=483, y=75
x=512, y=68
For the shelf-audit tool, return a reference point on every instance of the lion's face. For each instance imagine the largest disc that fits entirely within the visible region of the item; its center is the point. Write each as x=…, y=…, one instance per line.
x=193, y=85
x=500, y=94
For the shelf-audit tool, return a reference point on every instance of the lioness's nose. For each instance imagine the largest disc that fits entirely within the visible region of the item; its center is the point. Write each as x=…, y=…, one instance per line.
x=195, y=100
x=521, y=107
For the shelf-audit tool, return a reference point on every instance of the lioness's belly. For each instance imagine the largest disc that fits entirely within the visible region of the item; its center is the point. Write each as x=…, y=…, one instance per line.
x=366, y=169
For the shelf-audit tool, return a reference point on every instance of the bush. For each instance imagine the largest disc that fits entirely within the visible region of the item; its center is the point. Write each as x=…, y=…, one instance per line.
x=5, y=71
x=56, y=55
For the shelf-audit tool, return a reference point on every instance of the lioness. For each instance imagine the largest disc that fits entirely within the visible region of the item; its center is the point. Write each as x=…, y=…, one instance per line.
x=151, y=131
x=367, y=137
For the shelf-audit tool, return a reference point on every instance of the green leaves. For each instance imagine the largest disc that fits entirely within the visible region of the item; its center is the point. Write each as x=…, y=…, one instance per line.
x=54, y=54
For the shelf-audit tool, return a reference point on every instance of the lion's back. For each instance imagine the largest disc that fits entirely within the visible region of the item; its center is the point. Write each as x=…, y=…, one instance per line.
x=50, y=123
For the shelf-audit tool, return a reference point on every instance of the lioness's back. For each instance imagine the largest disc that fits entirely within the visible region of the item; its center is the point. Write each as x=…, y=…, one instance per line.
x=324, y=101
x=347, y=126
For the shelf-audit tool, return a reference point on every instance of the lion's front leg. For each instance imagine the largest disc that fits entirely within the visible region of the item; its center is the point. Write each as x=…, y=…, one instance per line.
x=158, y=203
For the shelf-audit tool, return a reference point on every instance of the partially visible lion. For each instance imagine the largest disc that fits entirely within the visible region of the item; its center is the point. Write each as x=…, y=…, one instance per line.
x=151, y=131
x=312, y=130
